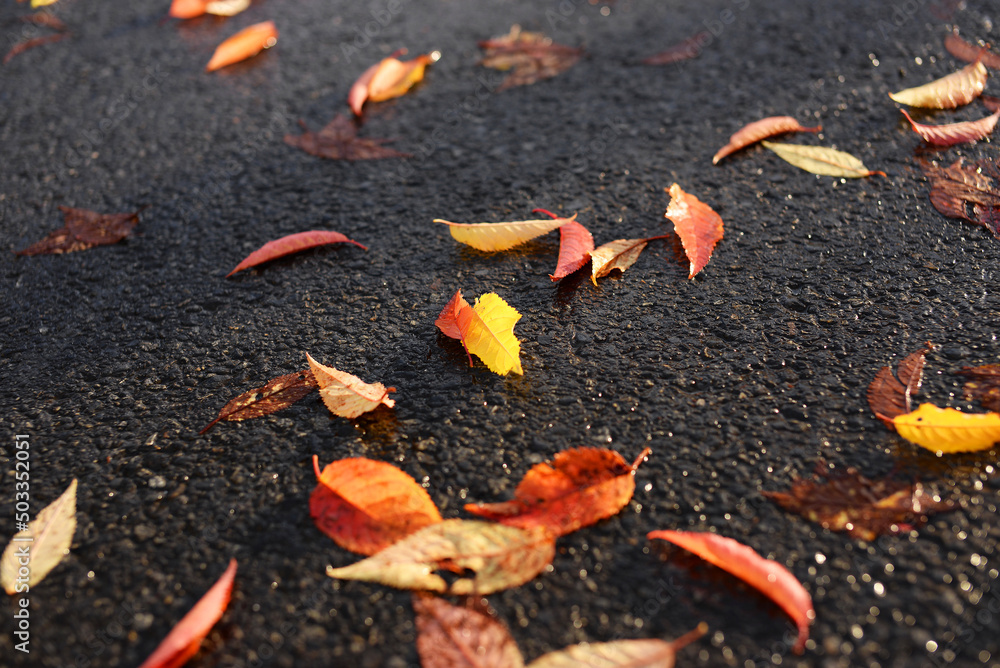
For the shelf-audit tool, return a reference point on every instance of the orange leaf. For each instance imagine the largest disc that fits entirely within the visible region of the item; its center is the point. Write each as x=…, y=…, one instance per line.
x=187, y=9
x=469, y=636
x=954, y=133
x=698, y=226
x=366, y=506
x=447, y=322
x=84, y=229
x=970, y=53
x=769, y=577
x=762, y=129
x=948, y=92
x=575, y=246
x=579, y=488
x=247, y=42
x=388, y=79
x=184, y=640
x=293, y=243
x=346, y=395
x=889, y=397
x=278, y=393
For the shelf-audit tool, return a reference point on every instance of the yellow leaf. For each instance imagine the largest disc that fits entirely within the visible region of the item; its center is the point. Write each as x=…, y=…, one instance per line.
x=501, y=236
x=948, y=92
x=35, y=4
x=226, y=7
x=43, y=544
x=346, y=395
x=821, y=160
x=620, y=254
x=948, y=430
x=488, y=333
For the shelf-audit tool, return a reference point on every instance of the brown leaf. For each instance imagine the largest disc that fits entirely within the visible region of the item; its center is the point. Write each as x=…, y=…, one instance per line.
x=954, y=133
x=970, y=53
x=983, y=385
x=863, y=507
x=339, y=141
x=278, y=393
x=84, y=229
x=21, y=47
x=686, y=50
x=889, y=396
x=758, y=130
x=531, y=55
x=462, y=636
x=697, y=225
x=293, y=243
x=969, y=193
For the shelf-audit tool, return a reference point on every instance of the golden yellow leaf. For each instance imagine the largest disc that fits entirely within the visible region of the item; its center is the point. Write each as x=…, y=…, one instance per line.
x=948, y=92
x=620, y=254
x=948, y=430
x=41, y=546
x=346, y=395
x=35, y=4
x=821, y=160
x=501, y=236
x=488, y=333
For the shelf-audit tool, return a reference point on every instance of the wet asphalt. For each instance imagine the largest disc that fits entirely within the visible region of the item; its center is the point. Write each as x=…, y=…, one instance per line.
x=740, y=380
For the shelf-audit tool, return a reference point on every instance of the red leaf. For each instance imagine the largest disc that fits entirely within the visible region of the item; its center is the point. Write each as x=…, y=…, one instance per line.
x=954, y=133
x=575, y=246
x=686, y=50
x=293, y=243
x=184, y=640
x=447, y=322
x=698, y=226
x=889, y=397
x=469, y=636
x=970, y=53
x=769, y=577
x=20, y=48
x=530, y=55
x=579, y=488
x=339, y=141
x=278, y=393
x=84, y=229
x=366, y=506
x=758, y=130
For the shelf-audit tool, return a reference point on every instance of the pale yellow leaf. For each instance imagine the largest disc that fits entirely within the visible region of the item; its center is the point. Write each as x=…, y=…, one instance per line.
x=948, y=430
x=501, y=236
x=226, y=7
x=821, y=160
x=488, y=333
x=41, y=546
x=620, y=254
x=644, y=653
x=499, y=556
x=35, y=4
x=346, y=395
x=948, y=92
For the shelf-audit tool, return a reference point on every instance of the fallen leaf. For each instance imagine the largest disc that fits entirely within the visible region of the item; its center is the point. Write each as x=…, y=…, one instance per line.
x=346, y=395
x=189, y=9
x=499, y=557
x=447, y=322
x=948, y=430
x=38, y=548
x=767, y=576
x=531, y=55
x=462, y=636
x=948, y=92
x=686, y=50
x=246, y=43
x=388, y=78
x=277, y=394
x=983, y=385
x=863, y=507
x=822, y=160
x=35, y=4
x=580, y=487
x=487, y=331
x=226, y=7
x=366, y=505
x=84, y=229
x=970, y=53
x=697, y=225
x=620, y=254
x=889, y=396
x=647, y=653
x=293, y=243
x=969, y=193
x=758, y=130
x=954, y=133
x=339, y=141
x=21, y=47
x=575, y=246
x=501, y=236
x=185, y=639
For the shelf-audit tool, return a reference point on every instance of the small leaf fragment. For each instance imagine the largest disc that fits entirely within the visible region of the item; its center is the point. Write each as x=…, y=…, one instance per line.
x=983, y=385
x=645, y=653
x=767, y=576
x=338, y=140
x=346, y=395
x=758, y=130
x=948, y=430
x=530, y=55
x=293, y=243
x=822, y=160
x=488, y=333
x=185, y=639
x=686, y=50
x=388, y=78
x=620, y=254
x=970, y=53
x=246, y=43
x=697, y=225
x=84, y=229
x=954, y=133
x=948, y=92
x=501, y=236
x=889, y=396
x=366, y=505
x=462, y=636
x=279, y=393
x=500, y=557
x=45, y=541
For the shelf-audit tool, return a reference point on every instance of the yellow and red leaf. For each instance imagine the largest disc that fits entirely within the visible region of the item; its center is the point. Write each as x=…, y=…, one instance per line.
x=758, y=130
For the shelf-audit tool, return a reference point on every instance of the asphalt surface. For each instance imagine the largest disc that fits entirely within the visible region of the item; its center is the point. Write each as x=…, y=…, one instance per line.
x=739, y=380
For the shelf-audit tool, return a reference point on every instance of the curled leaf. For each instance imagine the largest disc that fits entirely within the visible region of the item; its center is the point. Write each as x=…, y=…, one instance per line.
x=447, y=322
x=184, y=640
x=293, y=243
x=889, y=396
x=758, y=130
x=530, y=55
x=346, y=395
x=948, y=430
x=620, y=254
x=499, y=557
x=698, y=226
x=822, y=160
x=38, y=548
x=277, y=394
x=970, y=53
x=366, y=505
x=983, y=385
x=686, y=50
x=580, y=487
x=954, y=133
x=246, y=43
x=501, y=236
x=84, y=229
x=466, y=636
x=487, y=331
x=948, y=92
x=575, y=245
x=339, y=140
x=767, y=576
x=388, y=78
x=647, y=653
